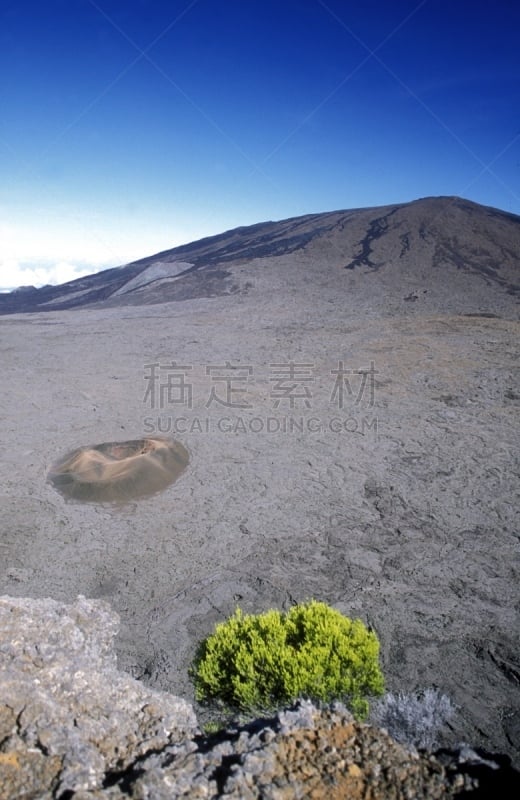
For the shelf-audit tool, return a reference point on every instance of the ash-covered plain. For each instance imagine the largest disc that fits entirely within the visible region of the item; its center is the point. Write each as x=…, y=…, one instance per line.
x=346, y=387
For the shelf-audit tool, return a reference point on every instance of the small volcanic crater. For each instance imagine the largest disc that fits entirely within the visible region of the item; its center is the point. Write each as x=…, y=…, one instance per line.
x=115, y=472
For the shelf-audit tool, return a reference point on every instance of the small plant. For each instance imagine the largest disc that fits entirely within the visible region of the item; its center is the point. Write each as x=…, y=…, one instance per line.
x=414, y=719
x=212, y=727
x=255, y=661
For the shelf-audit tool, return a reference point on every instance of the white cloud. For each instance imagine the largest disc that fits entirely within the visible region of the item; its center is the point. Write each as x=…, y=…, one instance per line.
x=51, y=247
x=45, y=252
x=14, y=273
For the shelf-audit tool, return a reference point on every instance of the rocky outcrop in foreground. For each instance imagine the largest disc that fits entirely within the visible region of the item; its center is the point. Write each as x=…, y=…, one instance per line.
x=73, y=726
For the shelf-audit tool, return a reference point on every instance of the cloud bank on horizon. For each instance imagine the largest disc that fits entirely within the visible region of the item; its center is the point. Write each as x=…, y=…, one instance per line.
x=128, y=127
x=49, y=256
x=15, y=275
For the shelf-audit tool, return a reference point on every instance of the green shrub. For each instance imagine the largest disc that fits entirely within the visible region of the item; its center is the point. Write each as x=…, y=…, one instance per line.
x=255, y=661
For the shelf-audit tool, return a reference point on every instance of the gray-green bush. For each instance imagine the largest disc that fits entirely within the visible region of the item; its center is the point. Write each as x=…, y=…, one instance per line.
x=413, y=719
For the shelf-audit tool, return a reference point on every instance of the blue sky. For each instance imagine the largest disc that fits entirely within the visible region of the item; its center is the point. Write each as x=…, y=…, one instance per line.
x=128, y=127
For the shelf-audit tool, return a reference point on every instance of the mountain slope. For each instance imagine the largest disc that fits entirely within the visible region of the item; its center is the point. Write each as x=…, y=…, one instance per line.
x=424, y=242
x=346, y=386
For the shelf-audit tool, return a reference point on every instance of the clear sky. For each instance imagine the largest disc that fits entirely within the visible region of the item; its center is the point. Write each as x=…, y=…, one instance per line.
x=129, y=127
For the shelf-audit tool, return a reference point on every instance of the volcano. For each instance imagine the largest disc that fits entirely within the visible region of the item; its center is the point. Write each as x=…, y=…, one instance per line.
x=343, y=390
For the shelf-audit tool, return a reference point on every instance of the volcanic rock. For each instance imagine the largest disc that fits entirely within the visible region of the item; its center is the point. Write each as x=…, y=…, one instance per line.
x=346, y=387
x=73, y=726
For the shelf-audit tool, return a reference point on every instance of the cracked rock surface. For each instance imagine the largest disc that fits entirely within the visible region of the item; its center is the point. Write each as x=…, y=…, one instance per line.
x=389, y=494
x=68, y=718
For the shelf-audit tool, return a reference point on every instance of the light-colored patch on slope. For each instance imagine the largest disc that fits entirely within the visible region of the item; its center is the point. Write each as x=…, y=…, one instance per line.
x=65, y=297
x=161, y=269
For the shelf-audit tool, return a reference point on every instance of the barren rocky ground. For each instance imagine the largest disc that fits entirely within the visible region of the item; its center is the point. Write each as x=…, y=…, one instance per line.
x=394, y=499
x=73, y=726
